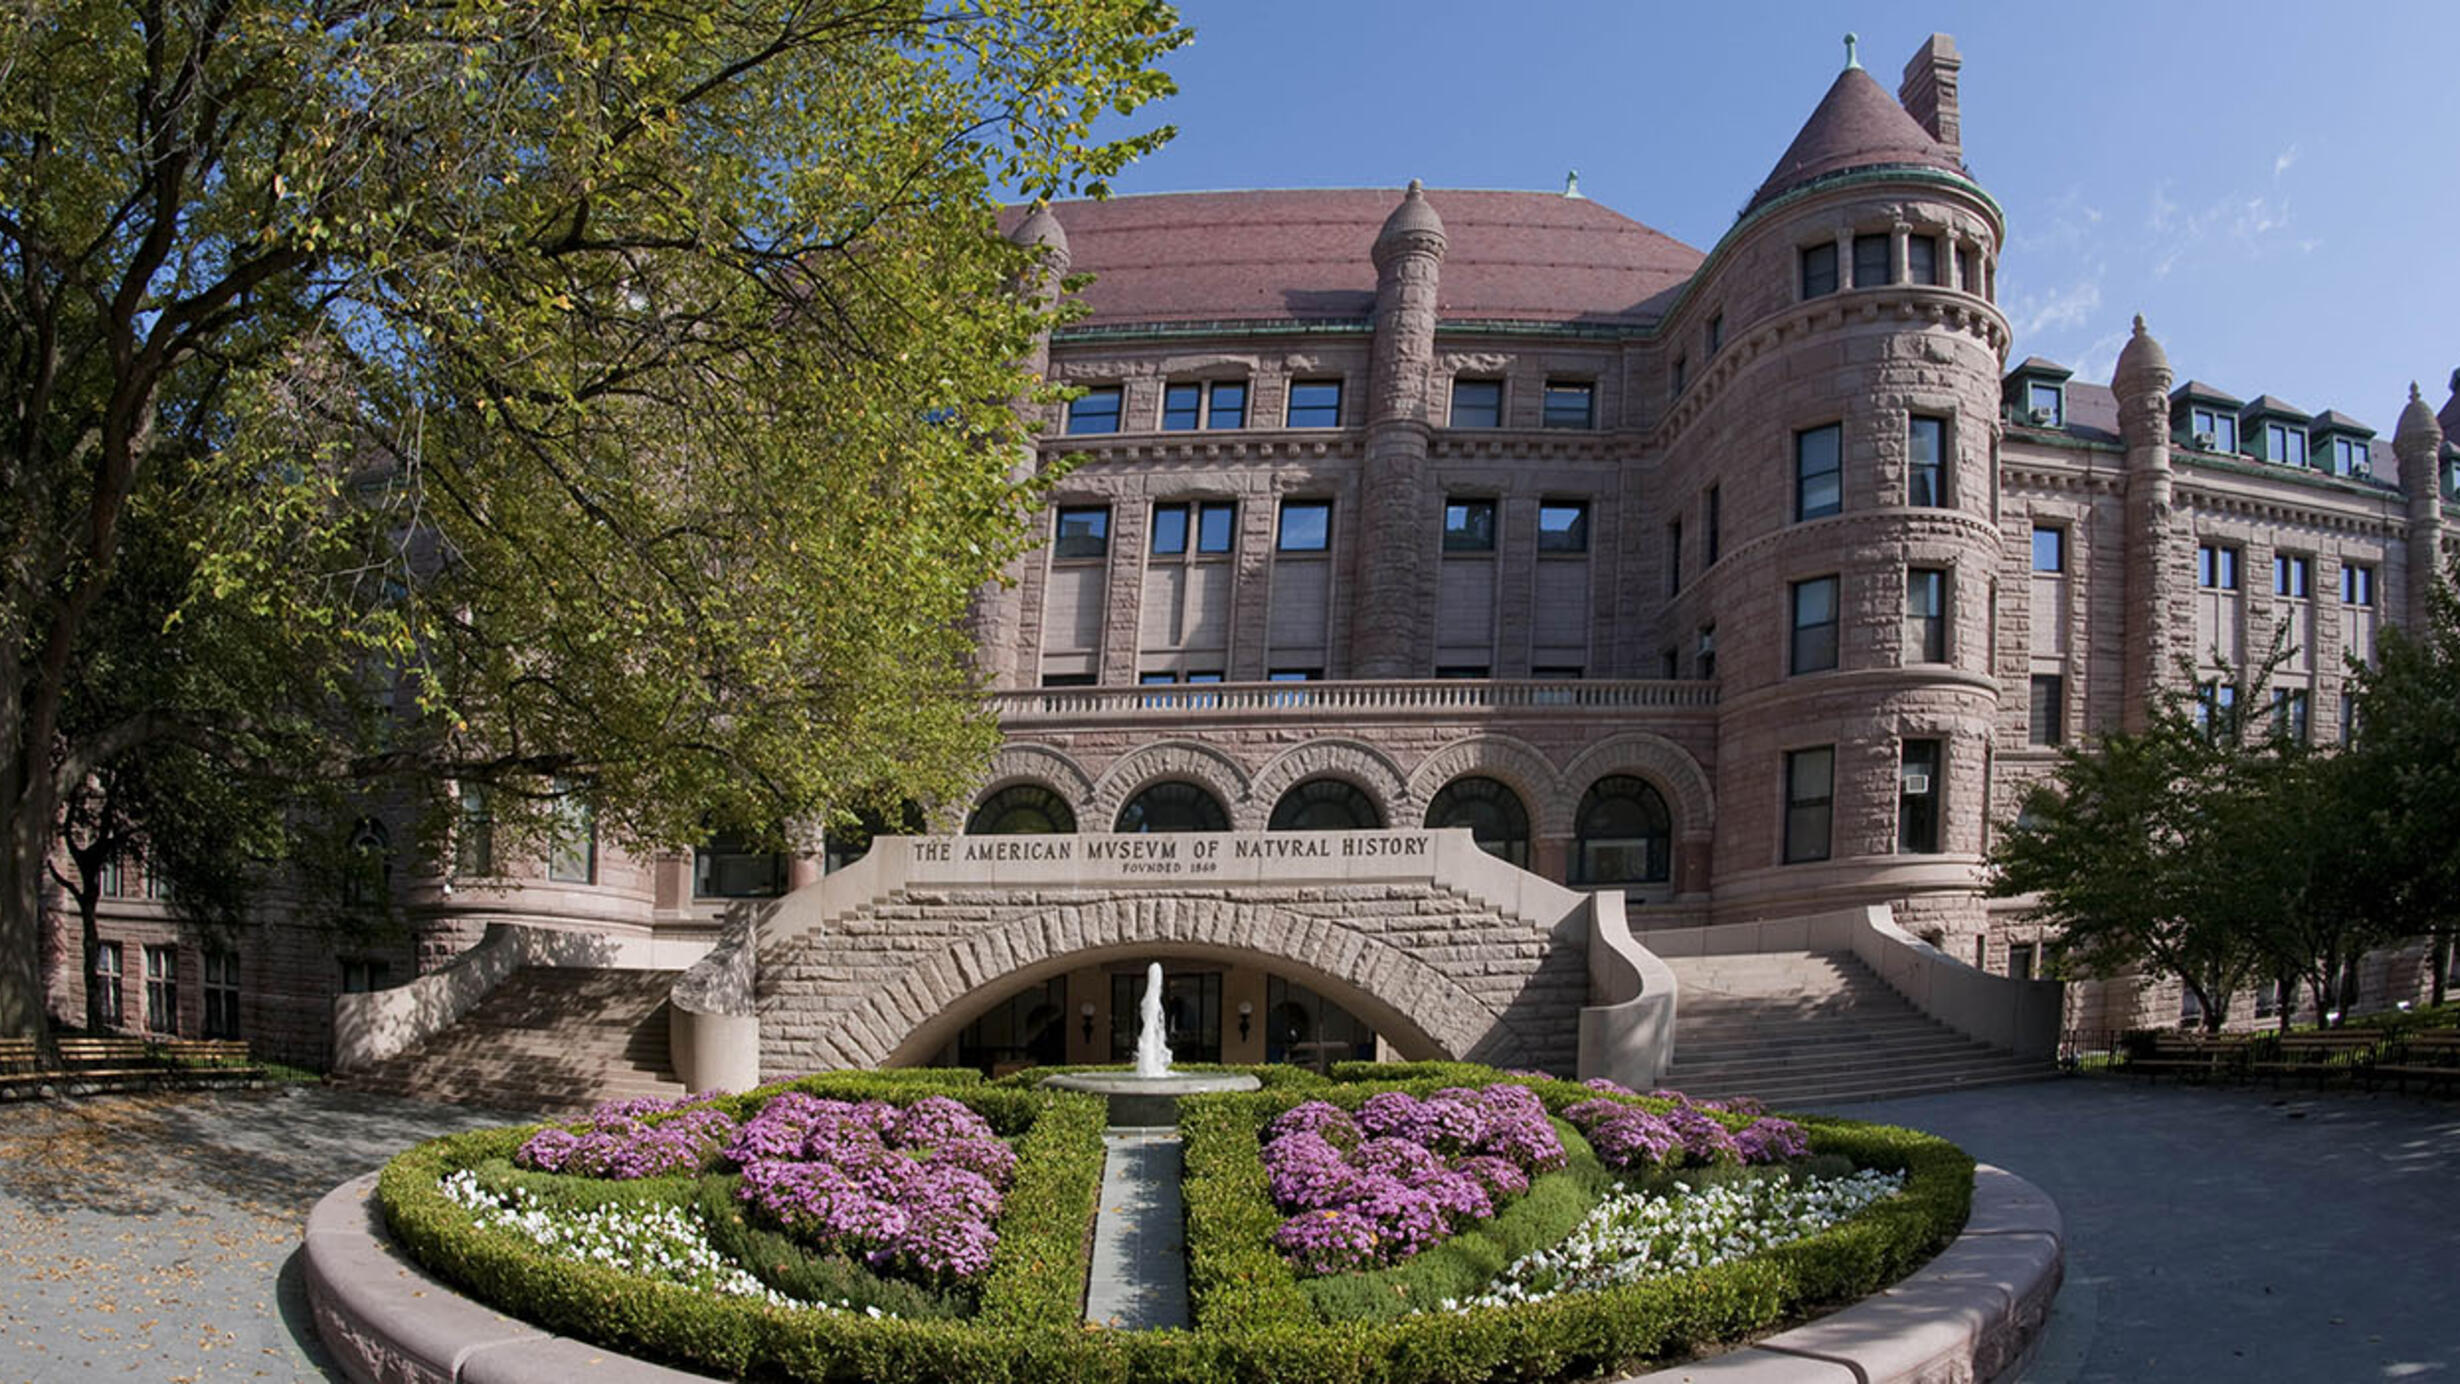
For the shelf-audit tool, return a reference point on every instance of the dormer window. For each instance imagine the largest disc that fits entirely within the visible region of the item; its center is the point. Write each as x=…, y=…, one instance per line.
x=2351, y=456
x=2212, y=430
x=2045, y=405
x=2285, y=444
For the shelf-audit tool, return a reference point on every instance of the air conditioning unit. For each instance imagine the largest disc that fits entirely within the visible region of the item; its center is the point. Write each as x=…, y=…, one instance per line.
x=2040, y=417
x=1917, y=785
x=2207, y=442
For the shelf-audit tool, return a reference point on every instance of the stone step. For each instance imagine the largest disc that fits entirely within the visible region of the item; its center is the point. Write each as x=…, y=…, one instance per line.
x=552, y=1039
x=1866, y=1042
x=1683, y=1076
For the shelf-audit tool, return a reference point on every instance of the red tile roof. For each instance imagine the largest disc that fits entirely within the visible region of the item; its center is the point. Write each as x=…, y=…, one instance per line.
x=1303, y=256
x=1856, y=125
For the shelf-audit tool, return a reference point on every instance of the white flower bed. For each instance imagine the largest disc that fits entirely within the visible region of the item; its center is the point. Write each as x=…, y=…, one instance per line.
x=1631, y=1235
x=666, y=1243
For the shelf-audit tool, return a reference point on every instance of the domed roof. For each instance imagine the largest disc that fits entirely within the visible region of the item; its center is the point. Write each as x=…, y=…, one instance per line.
x=2140, y=359
x=1413, y=217
x=1041, y=227
x=2417, y=424
x=1857, y=125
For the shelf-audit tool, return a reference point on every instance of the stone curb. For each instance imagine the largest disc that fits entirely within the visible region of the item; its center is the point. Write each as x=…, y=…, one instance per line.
x=1974, y=1313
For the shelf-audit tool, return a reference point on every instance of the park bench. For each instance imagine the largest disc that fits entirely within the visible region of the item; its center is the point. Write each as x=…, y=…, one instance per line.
x=2322, y=1054
x=123, y=1063
x=2200, y=1056
x=2430, y=1056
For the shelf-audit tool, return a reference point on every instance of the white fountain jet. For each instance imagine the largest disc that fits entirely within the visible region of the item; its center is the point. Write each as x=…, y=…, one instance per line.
x=1152, y=1047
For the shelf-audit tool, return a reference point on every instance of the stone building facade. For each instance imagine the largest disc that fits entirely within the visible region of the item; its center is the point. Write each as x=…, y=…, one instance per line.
x=1751, y=582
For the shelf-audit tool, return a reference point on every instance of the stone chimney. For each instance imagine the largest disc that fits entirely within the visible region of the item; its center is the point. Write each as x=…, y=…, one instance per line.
x=1929, y=92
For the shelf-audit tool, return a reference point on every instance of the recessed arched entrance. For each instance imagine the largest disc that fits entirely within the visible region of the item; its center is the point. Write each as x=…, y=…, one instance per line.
x=1238, y=1009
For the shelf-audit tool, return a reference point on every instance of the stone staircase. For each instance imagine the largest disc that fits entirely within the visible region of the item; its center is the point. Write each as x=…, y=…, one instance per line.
x=551, y=1039
x=1817, y=1028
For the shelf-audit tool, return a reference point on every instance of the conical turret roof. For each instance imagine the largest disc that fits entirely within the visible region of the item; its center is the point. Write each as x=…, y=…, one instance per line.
x=1857, y=125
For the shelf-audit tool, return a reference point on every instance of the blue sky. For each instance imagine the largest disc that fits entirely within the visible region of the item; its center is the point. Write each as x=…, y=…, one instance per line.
x=2276, y=187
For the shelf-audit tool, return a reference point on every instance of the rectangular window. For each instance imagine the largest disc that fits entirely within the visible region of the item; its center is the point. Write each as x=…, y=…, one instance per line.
x=1477, y=403
x=1460, y=670
x=109, y=971
x=162, y=989
x=730, y=866
x=1182, y=407
x=2049, y=714
x=2348, y=717
x=1917, y=799
x=572, y=856
x=1469, y=526
x=2216, y=708
x=1083, y=531
x=1704, y=662
x=1926, y=461
x=1870, y=261
x=1810, y=778
x=1069, y=680
x=1563, y=526
x=2285, y=444
x=221, y=994
x=1716, y=334
x=1819, y=270
x=1216, y=522
x=2216, y=568
x=1306, y=526
x=2289, y=718
x=2357, y=584
x=2049, y=549
x=2020, y=959
x=1571, y=404
x=1094, y=411
x=1926, y=626
x=1315, y=404
x=363, y=976
x=2351, y=457
x=474, y=836
x=1969, y=270
x=1169, y=530
x=2290, y=574
x=2213, y=430
x=1814, y=629
x=1714, y=522
x=1819, y=471
x=115, y=876
x=2048, y=403
x=1674, y=557
x=1682, y=374
x=1226, y=404
x=1922, y=260
x=1294, y=675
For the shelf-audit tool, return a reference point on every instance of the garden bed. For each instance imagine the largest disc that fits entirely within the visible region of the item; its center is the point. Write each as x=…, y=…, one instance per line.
x=733, y=1283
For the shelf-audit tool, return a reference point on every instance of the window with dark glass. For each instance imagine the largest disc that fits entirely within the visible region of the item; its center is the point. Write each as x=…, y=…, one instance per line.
x=1563, y=526
x=2049, y=710
x=1306, y=526
x=730, y=865
x=1461, y=670
x=1716, y=333
x=1069, y=679
x=221, y=1018
x=2048, y=403
x=1674, y=557
x=1094, y=411
x=367, y=871
x=2049, y=549
x=2285, y=444
x=162, y=989
x=2351, y=457
x=1194, y=404
x=1819, y=269
x=1917, y=798
x=1704, y=659
x=1170, y=806
x=1926, y=626
x=1870, y=261
x=572, y=853
x=361, y=976
x=1926, y=461
x=1810, y=779
x=1713, y=527
x=1469, y=526
x=1682, y=374
x=2292, y=575
x=1216, y=523
x=1326, y=804
x=1226, y=404
x=1814, y=627
x=1182, y=407
x=108, y=974
x=1169, y=530
x=1819, y=471
x=1571, y=404
x=1315, y=404
x=1623, y=834
x=1191, y=1014
x=474, y=834
x=1477, y=403
x=1493, y=813
x=1969, y=270
x=2357, y=584
x=2213, y=430
x=2216, y=568
x=2289, y=719
x=1083, y=531
x=2216, y=708
x=1921, y=260
x=1022, y=809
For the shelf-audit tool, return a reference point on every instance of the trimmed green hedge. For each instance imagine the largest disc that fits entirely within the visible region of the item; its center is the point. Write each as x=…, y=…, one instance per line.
x=1257, y=1321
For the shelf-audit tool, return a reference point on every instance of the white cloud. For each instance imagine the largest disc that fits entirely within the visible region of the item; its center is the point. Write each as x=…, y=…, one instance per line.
x=2069, y=306
x=2283, y=161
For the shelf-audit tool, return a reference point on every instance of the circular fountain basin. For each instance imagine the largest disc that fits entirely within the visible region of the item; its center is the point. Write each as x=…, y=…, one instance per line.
x=1149, y=1100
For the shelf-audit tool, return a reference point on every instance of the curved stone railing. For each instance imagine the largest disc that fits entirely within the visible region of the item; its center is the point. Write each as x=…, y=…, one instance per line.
x=377, y=1024
x=2020, y=1015
x=1976, y=1312
x=713, y=1029
x=1627, y=1035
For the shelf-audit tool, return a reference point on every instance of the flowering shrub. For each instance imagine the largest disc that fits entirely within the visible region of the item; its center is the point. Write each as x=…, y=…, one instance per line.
x=1630, y=1236
x=912, y=1191
x=1401, y=1175
x=617, y=1142
x=660, y=1242
x=1686, y=1135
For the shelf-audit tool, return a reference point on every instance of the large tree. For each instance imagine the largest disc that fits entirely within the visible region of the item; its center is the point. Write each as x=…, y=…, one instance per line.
x=2403, y=791
x=616, y=397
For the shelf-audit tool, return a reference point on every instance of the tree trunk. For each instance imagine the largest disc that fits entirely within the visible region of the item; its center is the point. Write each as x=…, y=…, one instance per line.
x=22, y=862
x=2441, y=959
x=89, y=911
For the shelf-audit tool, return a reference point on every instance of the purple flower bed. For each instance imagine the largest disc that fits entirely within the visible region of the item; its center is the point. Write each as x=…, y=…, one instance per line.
x=1684, y=1134
x=1402, y=1174
x=912, y=1191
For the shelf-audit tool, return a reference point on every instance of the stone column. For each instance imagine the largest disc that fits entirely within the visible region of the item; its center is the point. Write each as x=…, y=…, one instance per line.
x=1393, y=586
x=2419, y=445
x=2155, y=622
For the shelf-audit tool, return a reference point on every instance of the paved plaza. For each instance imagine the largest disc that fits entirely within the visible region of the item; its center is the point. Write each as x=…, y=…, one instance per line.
x=2237, y=1234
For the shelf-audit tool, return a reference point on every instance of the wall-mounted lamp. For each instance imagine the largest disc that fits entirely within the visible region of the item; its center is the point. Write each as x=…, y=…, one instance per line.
x=1247, y=1012
x=1085, y=1012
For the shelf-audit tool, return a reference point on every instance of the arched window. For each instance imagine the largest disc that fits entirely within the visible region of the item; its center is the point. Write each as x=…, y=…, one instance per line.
x=1624, y=835
x=1022, y=809
x=1492, y=812
x=1173, y=805
x=1325, y=804
x=367, y=870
